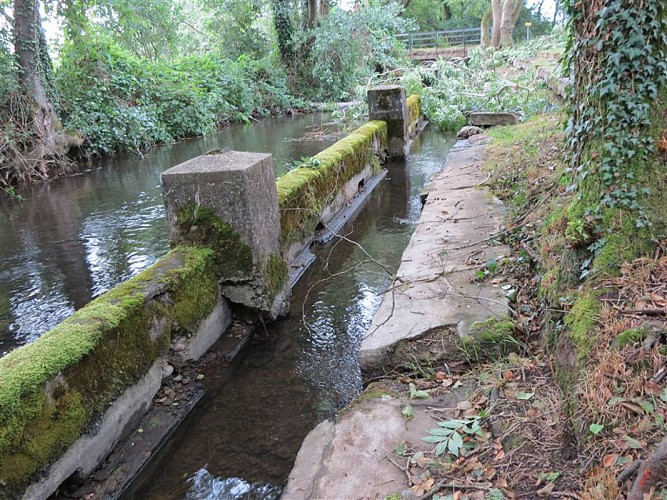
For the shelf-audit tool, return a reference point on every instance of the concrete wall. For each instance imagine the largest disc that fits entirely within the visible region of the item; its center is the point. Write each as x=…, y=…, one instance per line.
x=310, y=196
x=67, y=398
x=61, y=392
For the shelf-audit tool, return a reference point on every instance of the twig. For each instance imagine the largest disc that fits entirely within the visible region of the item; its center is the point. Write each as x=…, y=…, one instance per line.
x=645, y=312
x=659, y=375
x=456, y=486
x=629, y=471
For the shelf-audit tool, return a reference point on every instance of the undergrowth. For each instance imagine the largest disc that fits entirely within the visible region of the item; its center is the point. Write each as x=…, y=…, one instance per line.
x=603, y=349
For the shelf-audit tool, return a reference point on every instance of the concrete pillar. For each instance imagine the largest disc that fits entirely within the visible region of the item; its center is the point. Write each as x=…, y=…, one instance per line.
x=388, y=103
x=227, y=200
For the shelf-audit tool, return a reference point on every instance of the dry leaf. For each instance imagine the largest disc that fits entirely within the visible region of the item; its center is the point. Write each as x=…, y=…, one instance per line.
x=633, y=407
x=532, y=413
x=489, y=473
x=651, y=387
x=610, y=460
x=547, y=490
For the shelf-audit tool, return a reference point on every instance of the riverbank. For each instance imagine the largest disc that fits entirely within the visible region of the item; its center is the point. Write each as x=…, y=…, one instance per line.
x=565, y=395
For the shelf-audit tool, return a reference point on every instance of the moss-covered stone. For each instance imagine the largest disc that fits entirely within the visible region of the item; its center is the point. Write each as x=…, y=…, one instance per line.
x=304, y=192
x=631, y=336
x=581, y=322
x=55, y=388
x=414, y=109
x=199, y=225
x=277, y=273
x=489, y=340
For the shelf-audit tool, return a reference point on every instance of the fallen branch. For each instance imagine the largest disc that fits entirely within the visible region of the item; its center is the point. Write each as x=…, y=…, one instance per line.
x=652, y=470
x=645, y=312
x=456, y=486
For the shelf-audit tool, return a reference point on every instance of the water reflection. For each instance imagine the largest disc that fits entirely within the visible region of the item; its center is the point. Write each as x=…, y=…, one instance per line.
x=307, y=367
x=72, y=239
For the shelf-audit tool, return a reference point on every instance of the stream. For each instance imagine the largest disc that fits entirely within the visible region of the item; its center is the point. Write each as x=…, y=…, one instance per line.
x=241, y=442
x=72, y=239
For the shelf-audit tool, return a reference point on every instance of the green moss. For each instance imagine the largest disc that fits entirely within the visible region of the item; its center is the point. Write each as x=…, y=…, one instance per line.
x=414, y=108
x=195, y=288
x=631, y=336
x=52, y=389
x=200, y=226
x=303, y=192
x=53, y=430
x=277, y=273
x=581, y=322
x=490, y=339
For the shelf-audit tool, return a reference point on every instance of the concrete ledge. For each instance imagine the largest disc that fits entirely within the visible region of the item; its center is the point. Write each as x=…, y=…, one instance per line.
x=437, y=286
x=89, y=450
x=61, y=388
x=306, y=195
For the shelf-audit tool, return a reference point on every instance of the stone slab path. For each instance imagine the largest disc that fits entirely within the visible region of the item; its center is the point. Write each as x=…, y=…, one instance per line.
x=436, y=280
x=354, y=457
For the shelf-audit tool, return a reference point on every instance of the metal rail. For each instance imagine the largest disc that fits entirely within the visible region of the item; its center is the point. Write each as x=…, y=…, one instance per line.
x=441, y=38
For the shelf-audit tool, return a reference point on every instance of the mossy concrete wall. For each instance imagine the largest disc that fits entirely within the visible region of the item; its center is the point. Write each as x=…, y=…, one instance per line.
x=414, y=113
x=67, y=398
x=227, y=200
x=388, y=103
x=311, y=196
x=56, y=391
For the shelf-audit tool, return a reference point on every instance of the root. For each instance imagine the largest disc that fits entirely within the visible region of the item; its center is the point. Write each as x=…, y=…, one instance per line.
x=650, y=472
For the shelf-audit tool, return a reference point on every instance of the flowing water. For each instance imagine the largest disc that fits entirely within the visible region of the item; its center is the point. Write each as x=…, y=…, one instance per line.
x=242, y=440
x=72, y=239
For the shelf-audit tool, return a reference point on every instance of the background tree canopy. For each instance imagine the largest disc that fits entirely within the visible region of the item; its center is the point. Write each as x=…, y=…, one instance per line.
x=129, y=74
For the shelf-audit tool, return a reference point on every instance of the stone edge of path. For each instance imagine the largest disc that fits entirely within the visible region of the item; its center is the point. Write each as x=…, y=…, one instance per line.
x=350, y=456
x=436, y=283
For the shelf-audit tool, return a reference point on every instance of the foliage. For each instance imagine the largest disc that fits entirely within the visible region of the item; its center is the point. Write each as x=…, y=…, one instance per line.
x=350, y=46
x=120, y=102
x=448, y=436
x=449, y=90
x=237, y=28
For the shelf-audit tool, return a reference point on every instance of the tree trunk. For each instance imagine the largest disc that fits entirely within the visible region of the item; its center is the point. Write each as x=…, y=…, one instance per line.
x=311, y=15
x=497, y=15
x=556, y=12
x=282, y=21
x=486, y=24
x=29, y=46
x=511, y=10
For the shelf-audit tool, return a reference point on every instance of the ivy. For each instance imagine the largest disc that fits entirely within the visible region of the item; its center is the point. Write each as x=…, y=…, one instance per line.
x=618, y=58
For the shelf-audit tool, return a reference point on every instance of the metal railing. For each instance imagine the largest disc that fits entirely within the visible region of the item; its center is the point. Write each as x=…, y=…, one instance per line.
x=441, y=38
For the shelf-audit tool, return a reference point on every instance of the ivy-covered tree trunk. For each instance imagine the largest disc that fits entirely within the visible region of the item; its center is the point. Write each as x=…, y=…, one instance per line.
x=282, y=20
x=42, y=122
x=617, y=131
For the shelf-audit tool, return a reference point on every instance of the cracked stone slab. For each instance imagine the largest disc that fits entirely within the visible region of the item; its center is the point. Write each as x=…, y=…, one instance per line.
x=352, y=458
x=436, y=280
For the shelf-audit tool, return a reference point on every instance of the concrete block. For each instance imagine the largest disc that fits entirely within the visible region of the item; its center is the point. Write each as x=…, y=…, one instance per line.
x=228, y=200
x=484, y=119
x=388, y=103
